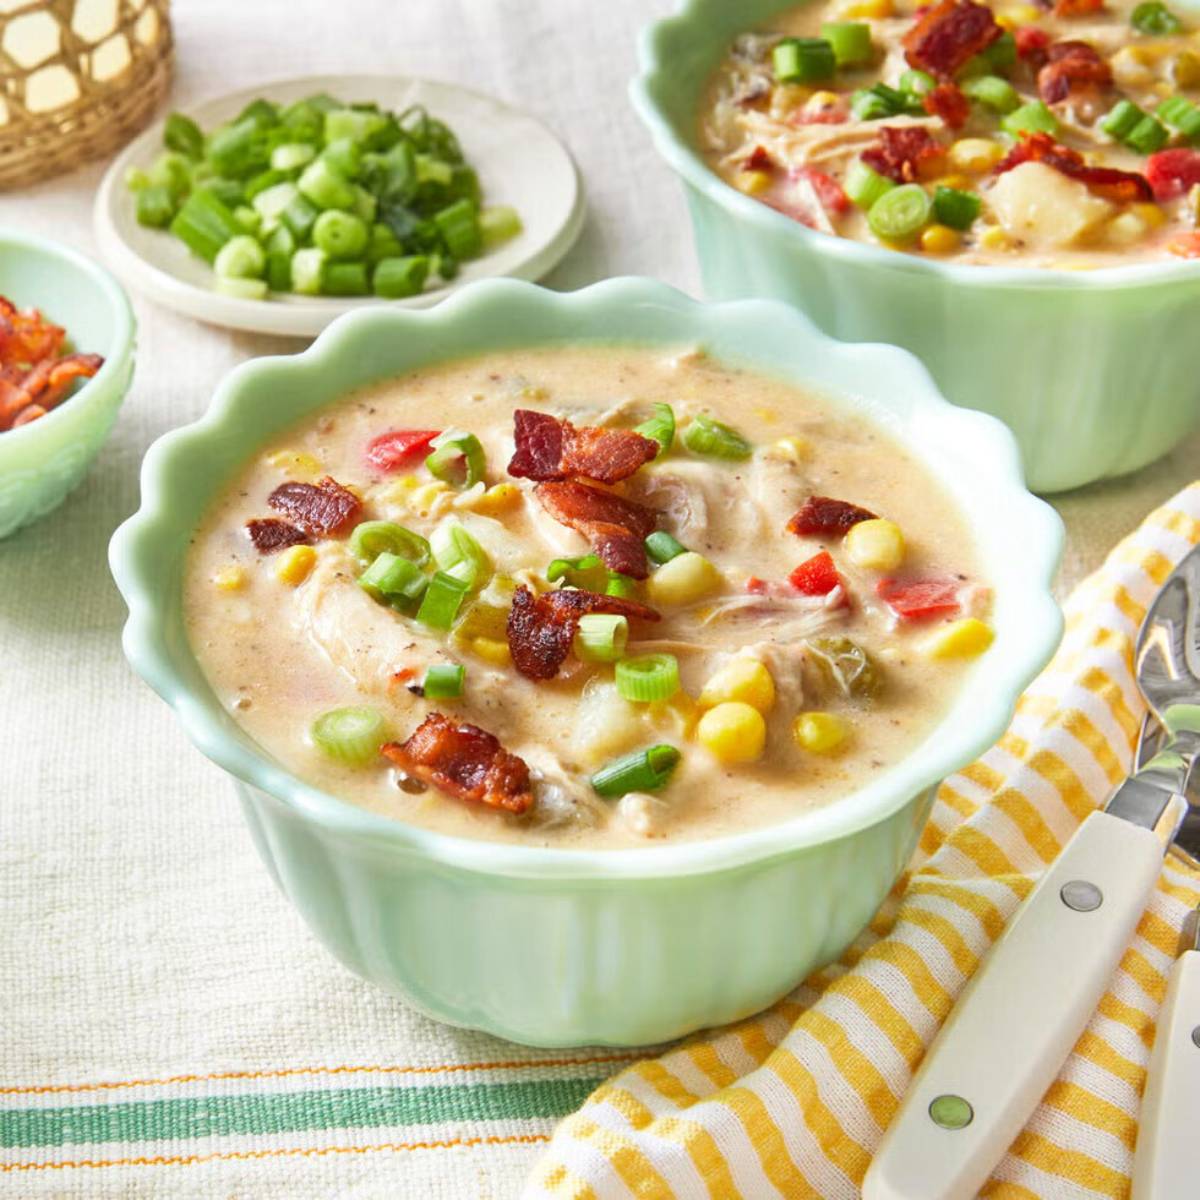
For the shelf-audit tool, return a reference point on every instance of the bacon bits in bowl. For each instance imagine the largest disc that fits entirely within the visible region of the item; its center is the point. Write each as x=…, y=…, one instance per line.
x=66, y=360
x=585, y=663
x=1011, y=192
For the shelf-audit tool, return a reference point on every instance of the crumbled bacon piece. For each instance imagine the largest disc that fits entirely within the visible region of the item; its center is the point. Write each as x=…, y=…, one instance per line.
x=542, y=628
x=1072, y=67
x=821, y=514
x=758, y=160
x=617, y=528
x=1173, y=172
x=1121, y=187
x=1185, y=245
x=948, y=102
x=920, y=599
x=27, y=338
x=1077, y=8
x=399, y=448
x=900, y=151
x=1032, y=45
x=551, y=449
x=42, y=387
x=947, y=35
x=817, y=576
x=465, y=761
x=271, y=534
x=320, y=509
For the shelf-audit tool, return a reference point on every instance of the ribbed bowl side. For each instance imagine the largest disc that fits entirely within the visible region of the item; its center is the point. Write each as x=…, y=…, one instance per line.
x=552, y=962
x=1093, y=383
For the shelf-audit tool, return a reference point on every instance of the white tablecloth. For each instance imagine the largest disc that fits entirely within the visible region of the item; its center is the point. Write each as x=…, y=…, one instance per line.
x=139, y=937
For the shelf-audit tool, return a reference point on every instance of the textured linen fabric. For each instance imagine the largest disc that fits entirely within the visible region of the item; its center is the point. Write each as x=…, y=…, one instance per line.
x=792, y=1103
x=168, y=1028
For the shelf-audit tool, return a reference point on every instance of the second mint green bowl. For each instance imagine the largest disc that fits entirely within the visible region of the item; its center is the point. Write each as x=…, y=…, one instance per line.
x=40, y=463
x=1096, y=372
x=561, y=947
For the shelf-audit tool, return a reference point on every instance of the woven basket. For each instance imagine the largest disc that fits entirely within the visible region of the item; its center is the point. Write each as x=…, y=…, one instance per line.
x=79, y=78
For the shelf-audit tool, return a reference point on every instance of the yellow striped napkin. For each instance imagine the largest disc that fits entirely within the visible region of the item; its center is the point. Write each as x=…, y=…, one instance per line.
x=793, y=1102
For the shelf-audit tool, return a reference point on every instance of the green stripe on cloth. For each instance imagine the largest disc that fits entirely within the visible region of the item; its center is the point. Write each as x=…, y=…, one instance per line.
x=291, y=1112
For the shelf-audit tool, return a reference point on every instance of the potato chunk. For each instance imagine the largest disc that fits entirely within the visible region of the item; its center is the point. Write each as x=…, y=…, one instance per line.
x=1043, y=208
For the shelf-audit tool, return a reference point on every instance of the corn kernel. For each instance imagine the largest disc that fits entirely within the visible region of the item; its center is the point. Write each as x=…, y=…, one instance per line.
x=930, y=168
x=877, y=9
x=296, y=462
x=492, y=650
x=960, y=639
x=503, y=497
x=733, y=732
x=753, y=183
x=1018, y=14
x=423, y=499
x=295, y=565
x=1125, y=229
x=786, y=98
x=877, y=544
x=744, y=679
x=821, y=732
x=685, y=579
x=230, y=578
x=1185, y=70
x=1131, y=67
x=995, y=238
x=794, y=449
x=1154, y=216
x=975, y=155
x=940, y=239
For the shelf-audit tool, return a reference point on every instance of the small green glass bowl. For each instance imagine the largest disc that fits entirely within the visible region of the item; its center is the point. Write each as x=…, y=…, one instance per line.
x=43, y=462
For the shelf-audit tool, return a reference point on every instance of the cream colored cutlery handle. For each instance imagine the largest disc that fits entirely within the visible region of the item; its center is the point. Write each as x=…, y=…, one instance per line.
x=1164, y=1166
x=1018, y=1018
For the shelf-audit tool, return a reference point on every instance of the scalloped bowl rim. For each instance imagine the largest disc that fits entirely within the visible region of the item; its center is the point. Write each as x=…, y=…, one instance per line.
x=686, y=161
x=943, y=750
x=123, y=333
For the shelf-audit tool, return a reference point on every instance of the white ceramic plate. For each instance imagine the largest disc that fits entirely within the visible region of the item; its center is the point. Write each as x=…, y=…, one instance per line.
x=520, y=162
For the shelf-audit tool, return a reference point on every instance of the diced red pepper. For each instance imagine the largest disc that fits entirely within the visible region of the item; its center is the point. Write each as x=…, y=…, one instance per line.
x=1077, y=8
x=1185, y=245
x=817, y=576
x=758, y=160
x=1032, y=43
x=828, y=190
x=756, y=586
x=1173, y=172
x=399, y=448
x=920, y=599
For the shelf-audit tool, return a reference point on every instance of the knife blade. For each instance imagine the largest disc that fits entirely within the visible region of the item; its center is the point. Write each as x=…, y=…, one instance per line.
x=1019, y=1016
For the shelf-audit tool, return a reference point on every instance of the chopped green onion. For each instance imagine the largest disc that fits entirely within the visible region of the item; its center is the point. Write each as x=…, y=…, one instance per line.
x=601, y=637
x=350, y=735
x=659, y=428
x=900, y=214
x=622, y=586
x=851, y=42
x=998, y=94
x=271, y=203
x=873, y=103
x=457, y=458
x=442, y=600
x=204, y=224
x=864, y=185
x=588, y=572
x=703, y=435
x=136, y=179
x=308, y=269
x=325, y=185
x=648, y=678
x=239, y=150
x=662, y=547
x=397, y=277
x=498, y=224
x=371, y=538
x=281, y=245
x=241, y=289
x=1033, y=117
x=240, y=258
x=1147, y=136
x=183, y=135
x=262, y=114
x=341, y=234
x=391, y=575
x=444, y=681
x=356, y=124
x=1155, y=18
x=247, y=218
x=345, y=279
x=292, y=156
x=459, y=555
x=802, y=60
x=459, y=227
x=1002, y=53
x=343, y=156
x=300, y=216
x=261, y=183
x=1182, y=115
x=956, y=208
x=1121, y=120
x=155, y=206
x=917, y=83
x=642, y=771
x=434, y=170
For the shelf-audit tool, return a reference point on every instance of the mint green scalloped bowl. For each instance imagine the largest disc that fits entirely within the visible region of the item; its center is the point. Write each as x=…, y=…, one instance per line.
x=1096, y=372
x=43, y=462
x=559, y=947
